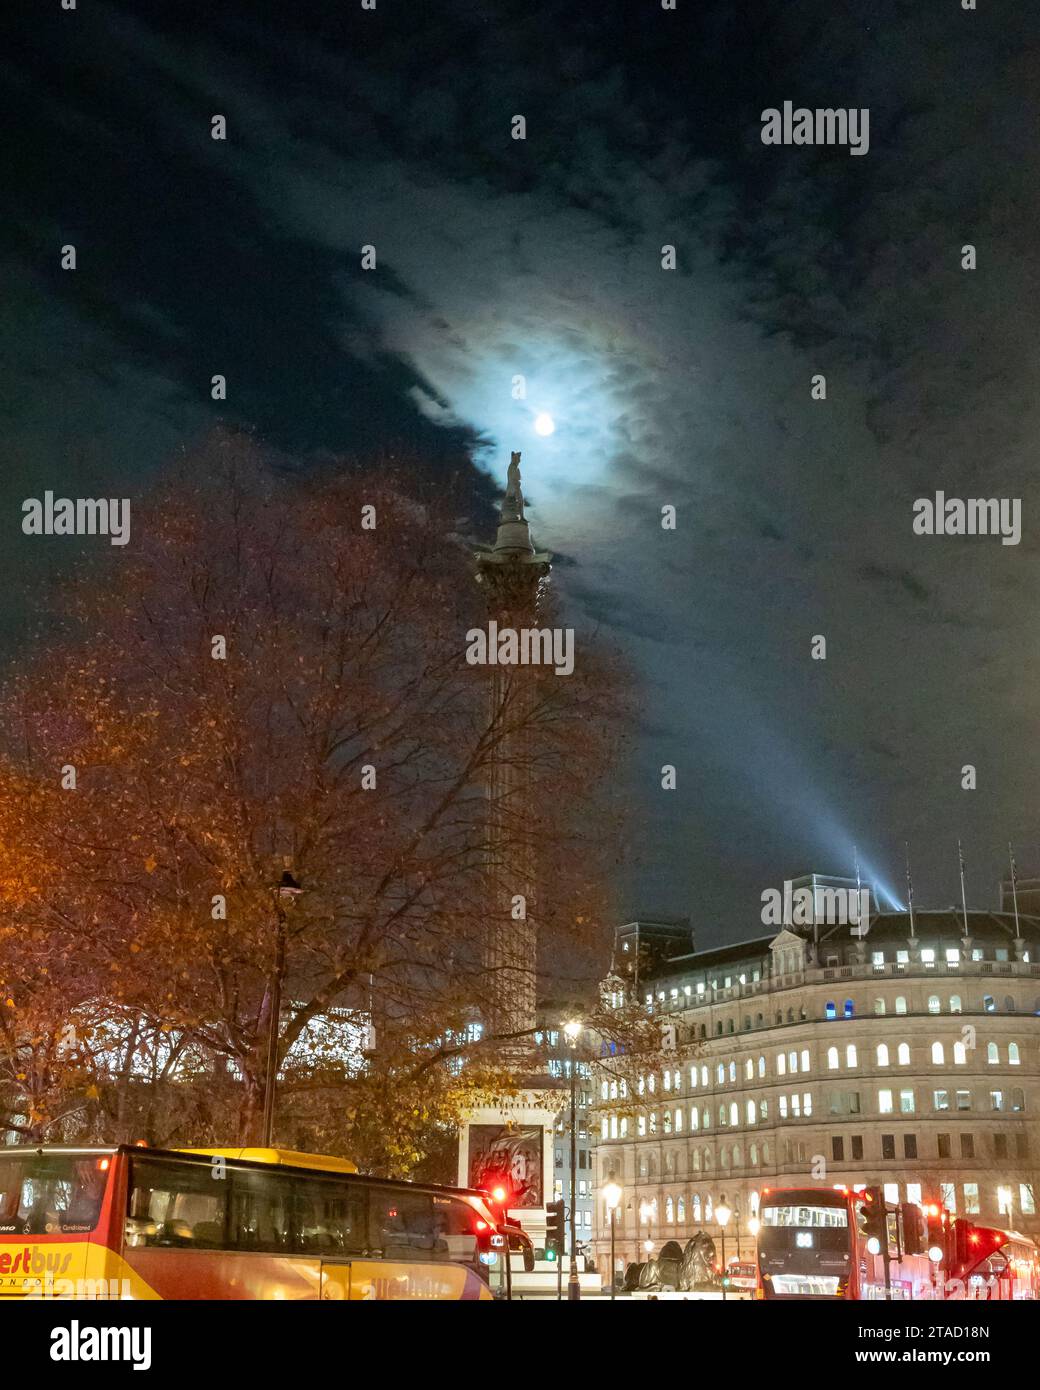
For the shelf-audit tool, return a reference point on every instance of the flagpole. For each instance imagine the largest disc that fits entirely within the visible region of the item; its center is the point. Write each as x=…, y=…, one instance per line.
x=1014, y=886
x=909, y=889
x=964, y=899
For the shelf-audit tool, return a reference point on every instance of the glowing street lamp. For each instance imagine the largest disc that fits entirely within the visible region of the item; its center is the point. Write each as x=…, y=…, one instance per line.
x=722, y=1216
x=612, y=1197
x=572, y=1032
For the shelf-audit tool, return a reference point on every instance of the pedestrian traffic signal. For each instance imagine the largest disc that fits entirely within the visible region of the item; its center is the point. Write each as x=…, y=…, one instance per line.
x=554, y=1228
x=873, y=1219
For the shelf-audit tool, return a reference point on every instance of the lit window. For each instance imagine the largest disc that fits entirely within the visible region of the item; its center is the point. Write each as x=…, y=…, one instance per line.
x=641, y=1124
x=913, y=1192
x=885, y=1102
x=879, y=1007
x=849, y=1008
x=761, y=1066
x=749, y=1070
x=805, y=1059
x=882, y=1054
x=938, y=1054
x=792, y=1062
x=695, y=1122
x=934, y=1006
x=781, y=1065
x=971, y=1198
x=927, y=956
x=996, y=1100
x=906, y=1102
x=751, y=1112
x=832, y=1058
x=830, y=1010
x=900, y=1003
x=960, y=1054
x=941, y=1100
x=782, y=1102
x=903, y=1054
x=850, y=1055
x=992, y=1053
x=955, y=1003
x=1004, y=1201
x=734, y=1113
x=678, y=1120
x=806, y=1103
x=1013, y=1057
x=892, y=1193
x=1026, y=1204
x=953, y=955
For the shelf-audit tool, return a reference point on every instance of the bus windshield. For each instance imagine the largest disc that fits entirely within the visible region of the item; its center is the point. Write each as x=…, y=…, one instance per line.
x=50, y=1193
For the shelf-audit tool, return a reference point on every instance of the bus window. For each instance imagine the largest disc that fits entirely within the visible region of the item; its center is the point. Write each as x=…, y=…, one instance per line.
x=40, y=1193
x=176, y=1204
x=261, y=1210
x=330, y=1217
x=455, y=1223
x=402, y=1224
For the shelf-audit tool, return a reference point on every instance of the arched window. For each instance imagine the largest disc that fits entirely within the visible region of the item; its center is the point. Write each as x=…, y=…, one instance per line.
x=832, y=1058
x=763, y=1110
x=879, y=1007
x=738, y=1157
x=723, y=1159
x=613, y=1127
x=604, y=1090
x=751, y=1112
x=765, y=1153
x=1009, y=1003
x=790, y=1015
x=1013, y=1057
x=1017, y=1099
x=678, y=1121
x=830, y=1010
x=696, y=1160
x=934, y=1006
x=900, y=1003
x=732, y=1071
x=761, y=1066
x=709, y=1210
x=850, y=1055
x=960, y=1055
x=695, y=1117
x=781, y=1065
x=849, y=1008
x=651, y=1166
x=734, y=1113
x=753, y=1155
x=882, y=1054
x=759, y=1020
x=729, y=1025
x=749, y=1070
x=722, y=1115
x=624, y=1126
x=955, y=1004
x=903, y=1054
x=695, y=1206
x=938, y=1054
x=992, y=1053
x=720, y=1074
x=680, y=1210
x=669, y=1211
x=989, y=1004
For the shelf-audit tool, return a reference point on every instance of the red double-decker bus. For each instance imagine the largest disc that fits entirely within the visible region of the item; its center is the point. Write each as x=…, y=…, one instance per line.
x=832, y=1243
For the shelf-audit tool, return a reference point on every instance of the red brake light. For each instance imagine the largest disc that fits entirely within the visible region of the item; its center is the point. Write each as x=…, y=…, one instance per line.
x=482, y=1225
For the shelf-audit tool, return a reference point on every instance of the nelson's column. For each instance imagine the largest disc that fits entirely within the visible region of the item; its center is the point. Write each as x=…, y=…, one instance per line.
x=514, y=1137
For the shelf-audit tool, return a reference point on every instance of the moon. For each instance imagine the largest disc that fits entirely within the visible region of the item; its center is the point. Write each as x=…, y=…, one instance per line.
x=544, y=423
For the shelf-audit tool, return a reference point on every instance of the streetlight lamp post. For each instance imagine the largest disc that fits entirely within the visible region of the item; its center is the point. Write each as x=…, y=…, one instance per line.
x=285, y=894
x=572, y=1031
x=612, y=1197
x=722, y=1215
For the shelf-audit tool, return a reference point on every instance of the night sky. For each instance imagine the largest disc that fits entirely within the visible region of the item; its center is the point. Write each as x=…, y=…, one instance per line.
x=688, y=387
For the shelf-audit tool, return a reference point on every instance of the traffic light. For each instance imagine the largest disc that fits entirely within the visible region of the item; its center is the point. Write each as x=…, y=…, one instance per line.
x=873, y=1219
x=914, y=1225
x=554, y=1229
x=936, y=1223
x=499, y=1188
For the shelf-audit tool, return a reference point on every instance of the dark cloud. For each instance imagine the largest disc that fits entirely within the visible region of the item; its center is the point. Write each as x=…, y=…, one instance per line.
x=541, y=258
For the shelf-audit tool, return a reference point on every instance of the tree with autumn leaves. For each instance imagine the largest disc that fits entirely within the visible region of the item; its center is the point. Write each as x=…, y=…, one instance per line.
x=270, y=678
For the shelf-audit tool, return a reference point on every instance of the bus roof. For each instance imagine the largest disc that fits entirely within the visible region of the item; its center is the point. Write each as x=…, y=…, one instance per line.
x=288, y=1158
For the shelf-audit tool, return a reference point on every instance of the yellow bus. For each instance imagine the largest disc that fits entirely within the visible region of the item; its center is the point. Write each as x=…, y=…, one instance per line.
x=232, y=1223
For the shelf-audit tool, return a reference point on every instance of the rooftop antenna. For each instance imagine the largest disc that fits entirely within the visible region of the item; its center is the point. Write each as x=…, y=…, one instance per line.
x=964, y=899
x=1014, y=886
x=909, y=889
